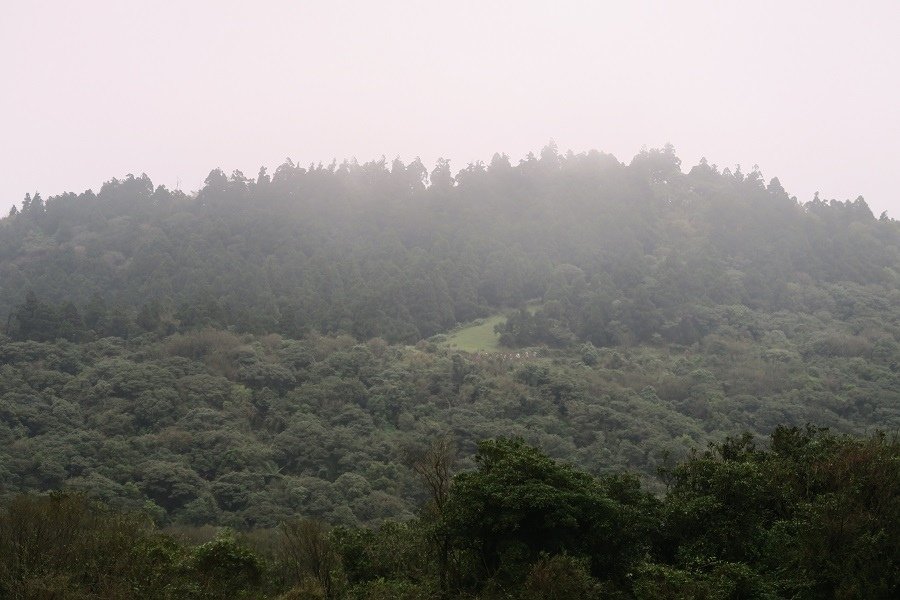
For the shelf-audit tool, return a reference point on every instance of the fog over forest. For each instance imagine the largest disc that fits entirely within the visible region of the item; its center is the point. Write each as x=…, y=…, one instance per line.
x=562, y=338
x=807, y=90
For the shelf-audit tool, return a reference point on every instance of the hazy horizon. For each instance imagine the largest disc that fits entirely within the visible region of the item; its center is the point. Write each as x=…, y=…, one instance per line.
x=102, y=89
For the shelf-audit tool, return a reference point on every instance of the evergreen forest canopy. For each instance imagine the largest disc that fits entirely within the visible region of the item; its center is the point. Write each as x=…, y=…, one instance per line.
x=275, y=349
x=619, y=252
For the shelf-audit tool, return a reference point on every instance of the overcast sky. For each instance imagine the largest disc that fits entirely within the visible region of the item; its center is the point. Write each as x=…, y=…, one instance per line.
x=809, y=91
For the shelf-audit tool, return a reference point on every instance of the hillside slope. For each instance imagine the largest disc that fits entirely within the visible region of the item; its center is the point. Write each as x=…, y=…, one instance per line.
x=617, y=252
x=269, y=347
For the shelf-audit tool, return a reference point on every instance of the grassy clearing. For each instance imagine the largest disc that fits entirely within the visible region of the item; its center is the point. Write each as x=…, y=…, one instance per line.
x=477, y=337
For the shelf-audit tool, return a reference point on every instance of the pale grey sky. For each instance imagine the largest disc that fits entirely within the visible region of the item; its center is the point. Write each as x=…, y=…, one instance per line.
x=92, y=90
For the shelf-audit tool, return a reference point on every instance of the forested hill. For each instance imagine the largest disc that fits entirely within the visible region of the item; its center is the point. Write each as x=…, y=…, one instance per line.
x=275, y=347
x=618, y=254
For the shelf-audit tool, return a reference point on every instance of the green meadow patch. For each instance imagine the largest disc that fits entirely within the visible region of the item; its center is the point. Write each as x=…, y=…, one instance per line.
x=478, y=336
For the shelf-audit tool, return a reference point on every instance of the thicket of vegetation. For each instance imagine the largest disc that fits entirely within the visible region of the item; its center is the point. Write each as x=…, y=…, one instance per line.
x=814, y=516
x=211, y=427
x=274, y=349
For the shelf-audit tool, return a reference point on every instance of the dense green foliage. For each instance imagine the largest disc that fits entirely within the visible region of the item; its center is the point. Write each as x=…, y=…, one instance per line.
x=273, y=349
x=619, y=253
x=210, y=427
x=814, y=516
